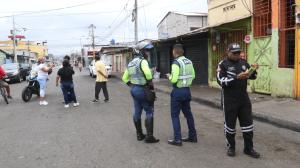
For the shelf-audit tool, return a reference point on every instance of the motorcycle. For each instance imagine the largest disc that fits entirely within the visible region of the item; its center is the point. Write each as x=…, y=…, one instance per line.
x=32, y=88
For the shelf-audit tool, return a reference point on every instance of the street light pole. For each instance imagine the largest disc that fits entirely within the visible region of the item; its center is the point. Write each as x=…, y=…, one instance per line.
x=14, y=41
x=136, y=22
x=92, y=27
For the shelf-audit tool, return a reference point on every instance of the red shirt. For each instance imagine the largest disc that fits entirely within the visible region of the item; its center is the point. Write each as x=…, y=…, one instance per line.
x=2, y=73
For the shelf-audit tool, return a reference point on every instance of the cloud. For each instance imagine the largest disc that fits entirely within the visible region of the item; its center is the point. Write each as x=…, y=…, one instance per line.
x=63, y=32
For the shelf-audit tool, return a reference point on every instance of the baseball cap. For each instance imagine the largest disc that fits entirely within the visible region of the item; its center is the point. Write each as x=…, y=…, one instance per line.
x=234, y=47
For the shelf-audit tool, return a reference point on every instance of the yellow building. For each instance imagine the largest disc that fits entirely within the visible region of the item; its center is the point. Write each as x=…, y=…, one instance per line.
x=39, y=49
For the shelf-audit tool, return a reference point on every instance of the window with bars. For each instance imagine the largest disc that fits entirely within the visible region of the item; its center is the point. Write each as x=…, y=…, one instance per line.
x=287, y=33
x=262, y=10
x=220, y=42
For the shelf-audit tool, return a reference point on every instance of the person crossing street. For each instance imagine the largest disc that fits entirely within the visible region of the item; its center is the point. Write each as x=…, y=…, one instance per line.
x=139, y=77
x=182, y=76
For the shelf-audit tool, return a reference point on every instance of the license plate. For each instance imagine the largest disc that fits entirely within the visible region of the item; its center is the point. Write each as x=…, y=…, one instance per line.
x=7, y=80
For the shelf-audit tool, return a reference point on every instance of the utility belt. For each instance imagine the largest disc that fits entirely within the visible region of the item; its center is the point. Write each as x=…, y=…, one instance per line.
x=135, y=85
x=175, y=87
x=150, y=94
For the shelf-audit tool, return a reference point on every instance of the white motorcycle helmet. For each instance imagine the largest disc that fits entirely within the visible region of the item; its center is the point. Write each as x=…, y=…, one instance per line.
x=144, y=45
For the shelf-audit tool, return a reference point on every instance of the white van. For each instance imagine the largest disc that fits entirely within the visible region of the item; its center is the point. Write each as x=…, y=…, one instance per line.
x=93, y=72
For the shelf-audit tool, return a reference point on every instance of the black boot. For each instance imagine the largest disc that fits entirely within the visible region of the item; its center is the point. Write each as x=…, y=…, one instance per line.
x=139, y=130
x=248, y=140
x=149, y=126
x=231, y=152
x=248, y=145
x=188, y=139
x=252, y=153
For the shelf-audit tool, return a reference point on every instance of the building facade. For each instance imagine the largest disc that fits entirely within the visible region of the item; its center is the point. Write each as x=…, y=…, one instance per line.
x=266, y=32
x=35, y=49
x=175, y=24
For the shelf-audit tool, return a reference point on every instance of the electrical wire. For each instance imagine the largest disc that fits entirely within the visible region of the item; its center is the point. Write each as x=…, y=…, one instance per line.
x=72, y=14
x=50, y=10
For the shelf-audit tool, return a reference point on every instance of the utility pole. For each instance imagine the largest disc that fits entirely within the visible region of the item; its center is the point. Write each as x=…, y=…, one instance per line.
x=28, y=48
x=92, y=34
x=136, y=22
x=14, y=40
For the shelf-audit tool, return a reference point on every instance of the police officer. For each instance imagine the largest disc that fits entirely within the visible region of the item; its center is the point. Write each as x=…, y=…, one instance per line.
x=232, y=75
x=138, y=75
x=182, y=76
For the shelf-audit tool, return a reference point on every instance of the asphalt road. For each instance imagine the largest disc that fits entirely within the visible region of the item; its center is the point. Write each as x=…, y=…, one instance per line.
x=102, y=135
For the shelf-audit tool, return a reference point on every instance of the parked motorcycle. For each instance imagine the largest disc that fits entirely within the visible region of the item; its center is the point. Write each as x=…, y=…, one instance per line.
x=32, y=88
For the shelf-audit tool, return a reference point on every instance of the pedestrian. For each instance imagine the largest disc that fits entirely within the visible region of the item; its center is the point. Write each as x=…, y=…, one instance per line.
x=232, y=75
x=43, y=73
x=182, y=76
x=139, y=77
x=80, y=66
x=67, y=58
x=101, y=80
x=65, y=76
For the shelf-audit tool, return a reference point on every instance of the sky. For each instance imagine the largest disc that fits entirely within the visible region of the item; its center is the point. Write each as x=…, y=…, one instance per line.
x=66, y=30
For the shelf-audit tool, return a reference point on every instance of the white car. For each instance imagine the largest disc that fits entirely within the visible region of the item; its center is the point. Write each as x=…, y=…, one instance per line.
x=93, y=72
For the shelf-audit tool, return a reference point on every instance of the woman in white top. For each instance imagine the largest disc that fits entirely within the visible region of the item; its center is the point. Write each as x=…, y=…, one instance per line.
x=42, y=78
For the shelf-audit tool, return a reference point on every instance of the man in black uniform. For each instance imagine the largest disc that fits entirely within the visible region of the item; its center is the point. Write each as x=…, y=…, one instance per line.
x=232, y=75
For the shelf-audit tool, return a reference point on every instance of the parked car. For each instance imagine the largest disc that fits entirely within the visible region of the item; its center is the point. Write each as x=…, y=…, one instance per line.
x=93, y=72
x=15, y=72
x=25, y=69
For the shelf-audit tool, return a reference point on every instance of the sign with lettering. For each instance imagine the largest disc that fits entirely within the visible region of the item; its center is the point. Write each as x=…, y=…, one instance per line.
x=228, y=8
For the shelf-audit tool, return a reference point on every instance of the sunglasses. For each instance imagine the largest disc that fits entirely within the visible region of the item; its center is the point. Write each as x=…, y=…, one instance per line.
x=236, y=53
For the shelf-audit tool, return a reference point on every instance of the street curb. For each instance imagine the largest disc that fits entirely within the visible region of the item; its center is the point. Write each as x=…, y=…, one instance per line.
x=257, y=116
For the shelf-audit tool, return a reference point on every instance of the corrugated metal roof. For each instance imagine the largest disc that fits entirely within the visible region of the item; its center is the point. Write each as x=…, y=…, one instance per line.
x=191, y=33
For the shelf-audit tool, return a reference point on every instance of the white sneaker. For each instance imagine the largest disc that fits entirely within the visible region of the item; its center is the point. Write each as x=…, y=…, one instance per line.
x=67, y=106
x=76, y=104
x=43, y=103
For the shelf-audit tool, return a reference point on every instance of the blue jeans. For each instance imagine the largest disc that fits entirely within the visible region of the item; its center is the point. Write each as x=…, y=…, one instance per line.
x=68, y=91
x=180, y=100
x=140, y=103
x=42, y=82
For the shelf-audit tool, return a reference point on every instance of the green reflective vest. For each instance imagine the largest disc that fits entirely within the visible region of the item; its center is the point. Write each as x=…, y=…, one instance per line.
x=186, y=72
x=136, y=75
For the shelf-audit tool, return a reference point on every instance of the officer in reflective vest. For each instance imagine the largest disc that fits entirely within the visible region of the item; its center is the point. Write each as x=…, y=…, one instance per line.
x=182, y=76
x=138, y=75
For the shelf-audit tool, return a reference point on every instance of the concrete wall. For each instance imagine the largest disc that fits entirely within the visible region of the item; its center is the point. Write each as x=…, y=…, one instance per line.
x=282, y=79
x=224, y=11
x=196, y=21
x=176, y=24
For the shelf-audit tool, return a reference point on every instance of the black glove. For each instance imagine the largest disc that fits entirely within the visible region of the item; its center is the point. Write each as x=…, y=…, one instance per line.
x=150, y=85
x=128, y=83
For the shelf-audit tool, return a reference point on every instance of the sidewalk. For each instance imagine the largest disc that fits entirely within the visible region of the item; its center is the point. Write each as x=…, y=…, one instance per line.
x=281, y=112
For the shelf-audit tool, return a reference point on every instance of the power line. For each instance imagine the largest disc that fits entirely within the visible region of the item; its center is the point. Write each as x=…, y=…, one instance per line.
x=50, y=10
x=73, y=14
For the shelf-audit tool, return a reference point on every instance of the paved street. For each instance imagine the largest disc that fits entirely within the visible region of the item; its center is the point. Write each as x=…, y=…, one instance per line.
x=102, y=135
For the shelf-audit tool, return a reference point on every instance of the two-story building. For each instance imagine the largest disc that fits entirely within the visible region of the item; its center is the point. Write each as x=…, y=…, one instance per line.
x=175, y=24
x=266, y=32
x=30, y=48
